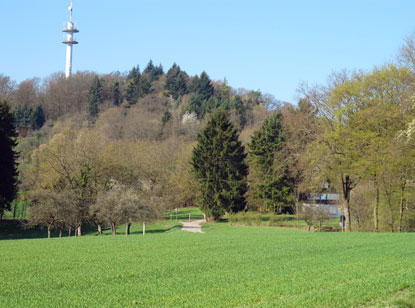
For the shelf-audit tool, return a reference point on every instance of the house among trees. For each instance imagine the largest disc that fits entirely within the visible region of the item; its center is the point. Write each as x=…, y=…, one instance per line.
x=327, y=200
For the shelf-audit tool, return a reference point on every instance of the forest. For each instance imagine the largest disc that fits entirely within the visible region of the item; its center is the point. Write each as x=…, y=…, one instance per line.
x=120, y=148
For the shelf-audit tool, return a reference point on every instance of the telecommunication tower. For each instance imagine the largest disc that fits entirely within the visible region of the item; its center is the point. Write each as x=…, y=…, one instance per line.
x=70, y=29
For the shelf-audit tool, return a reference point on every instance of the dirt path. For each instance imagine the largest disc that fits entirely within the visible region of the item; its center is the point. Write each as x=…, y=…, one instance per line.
x=193, y=226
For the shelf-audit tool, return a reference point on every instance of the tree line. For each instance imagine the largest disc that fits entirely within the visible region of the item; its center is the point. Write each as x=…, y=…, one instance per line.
x=120, y=148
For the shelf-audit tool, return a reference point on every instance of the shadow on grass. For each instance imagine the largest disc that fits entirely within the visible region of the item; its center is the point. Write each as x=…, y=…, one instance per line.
x=18, y=229
x=161, y=230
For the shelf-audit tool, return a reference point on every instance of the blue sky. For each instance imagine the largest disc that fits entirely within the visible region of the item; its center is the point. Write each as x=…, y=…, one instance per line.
x=267, y=45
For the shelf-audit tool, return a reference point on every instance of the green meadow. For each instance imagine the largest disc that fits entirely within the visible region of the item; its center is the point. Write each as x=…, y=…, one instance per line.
x=227, y=266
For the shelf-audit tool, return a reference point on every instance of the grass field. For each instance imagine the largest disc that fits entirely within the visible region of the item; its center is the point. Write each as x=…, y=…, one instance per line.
x=228, y=266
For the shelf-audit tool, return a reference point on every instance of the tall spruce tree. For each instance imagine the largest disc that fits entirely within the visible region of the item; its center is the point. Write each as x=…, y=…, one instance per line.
x=266, y=152
x=22, y=116
x=8, y=171
x=137, y=85
x=38, y=117
x=219, y=164
x=132, y=86
x=116, y=93
x=203, y=86
x=144, y=86
x=176, y=81
x=201, y=99
x=94, y=98
x=153, y=72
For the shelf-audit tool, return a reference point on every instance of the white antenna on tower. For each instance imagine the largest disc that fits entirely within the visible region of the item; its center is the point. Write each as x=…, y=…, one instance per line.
x=69, y=42
x=70, y=9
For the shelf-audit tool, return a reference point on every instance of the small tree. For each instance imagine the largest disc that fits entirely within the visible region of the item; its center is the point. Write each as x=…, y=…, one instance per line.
x=314, y=215
x=219, y=164
x=121, y=204
x=107, y=207
x=53, y=210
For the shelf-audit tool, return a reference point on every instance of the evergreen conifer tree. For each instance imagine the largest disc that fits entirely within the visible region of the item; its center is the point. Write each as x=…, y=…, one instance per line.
x=240, y=110
x=132, y=86
x=194, y=104
x=176, y=82
x=94, y=98
x=201, y=99
x=202, y=86
x=144, y=86
x=38, y=117
x=219, y=164
x=153, y=72
x=134, y=74
x=266, y=151
x=8, y=171
x=116, y=93
x=22, y=116
x=131, y=92
x=149, y=68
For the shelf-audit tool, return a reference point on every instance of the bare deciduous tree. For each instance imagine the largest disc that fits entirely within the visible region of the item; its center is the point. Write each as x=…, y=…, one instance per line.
x=122, y=205
x=53, y=210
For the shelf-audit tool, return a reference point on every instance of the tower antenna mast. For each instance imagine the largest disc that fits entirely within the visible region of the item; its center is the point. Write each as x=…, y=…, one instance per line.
x=70, y=8
x=69, y=42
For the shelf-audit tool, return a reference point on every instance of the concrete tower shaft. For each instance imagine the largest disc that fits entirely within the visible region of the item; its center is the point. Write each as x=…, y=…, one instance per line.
x=70, y=29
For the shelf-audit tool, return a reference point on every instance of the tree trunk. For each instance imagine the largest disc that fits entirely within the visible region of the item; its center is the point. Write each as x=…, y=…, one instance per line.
x=144, y=228
x=127, y=228
x=69, y=232
x=14, y=210
x=388, y=193
x=60, y=233
x=401, y=206
x=347, y=186
x=392, y=221
x=376, y=208
x=389, y=201
x=113, y=228
x=348, y=217
x=79, y=233
x=49, y=228
x=346, y=212
x=99, y=229
x=400, y=218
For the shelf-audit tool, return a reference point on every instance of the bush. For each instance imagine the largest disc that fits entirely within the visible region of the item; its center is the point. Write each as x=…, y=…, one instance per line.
x=246, y=219
x=272, y=219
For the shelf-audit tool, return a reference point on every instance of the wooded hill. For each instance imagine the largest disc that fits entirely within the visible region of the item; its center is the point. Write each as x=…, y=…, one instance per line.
x=133, y=130
x=95, y=137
